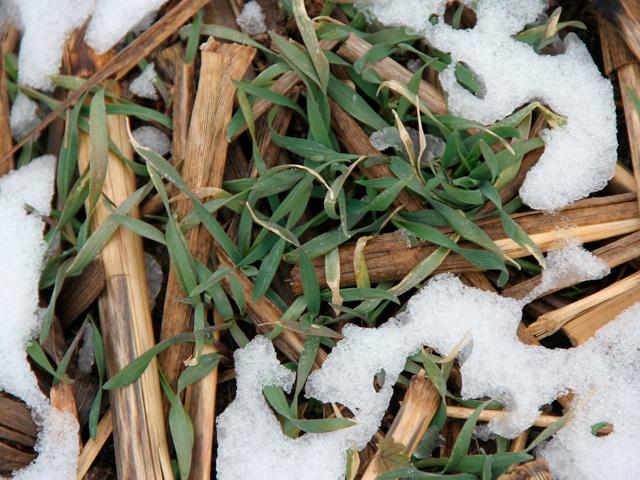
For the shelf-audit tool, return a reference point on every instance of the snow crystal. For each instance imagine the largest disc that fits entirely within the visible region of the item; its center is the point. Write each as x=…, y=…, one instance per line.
x=251, y=19
x=580, y=156
x=22, y=249
x=142, y=86
x=601, y=373
x=153, y=139
x=46, y=25
x=24, y=116
x=112, y=19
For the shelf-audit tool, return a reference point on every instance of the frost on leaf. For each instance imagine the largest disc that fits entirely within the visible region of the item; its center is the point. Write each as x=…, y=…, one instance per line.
x=494, y=363
x=25, y=195
x=580, y=156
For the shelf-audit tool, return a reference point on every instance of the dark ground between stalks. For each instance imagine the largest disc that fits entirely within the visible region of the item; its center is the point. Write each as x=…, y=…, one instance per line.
x=104, y=465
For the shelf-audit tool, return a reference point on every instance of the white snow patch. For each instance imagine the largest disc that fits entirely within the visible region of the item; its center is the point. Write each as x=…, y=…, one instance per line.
x=568, y=266
x=24, y=116
x=602, y=373
x=112, y=19
x=142, y=86
x=251, y=19
x=47, y=24
x=579, y=157
x=22, y=249
x=153, y=139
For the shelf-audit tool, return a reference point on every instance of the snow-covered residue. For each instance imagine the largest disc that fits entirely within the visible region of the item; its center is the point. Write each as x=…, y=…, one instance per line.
x=25, y=195
x=494, y=363
x=251, y=20
x=46, y=25
x=579, y=157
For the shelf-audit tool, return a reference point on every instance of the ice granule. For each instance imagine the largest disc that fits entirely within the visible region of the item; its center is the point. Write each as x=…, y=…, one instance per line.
x=413, y=64
x=602, y=373
x=24, y=116
x=155, y=277
x=142, y=86
x=47, y=24
x=389, y=137
x=251, y=19
x=153, y=139
x=435, y=148
x=86, y=352
x=22, y=249
x=386, y=138
x=580, y=156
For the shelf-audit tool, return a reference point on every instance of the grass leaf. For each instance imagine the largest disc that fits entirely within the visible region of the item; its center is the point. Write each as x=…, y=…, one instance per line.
x=35, y=352
x=310, y=284
x=352, y=103
x=461, y=445
x=197, y=372
x=132, y=372
x=550, y=431
x=99, y=238
x=268, y=269
x=194, y=38
x=307, y=31
x=181, y=429
x=277, y=400
x=100, y=359
x=98, y=147
x=305, y=364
